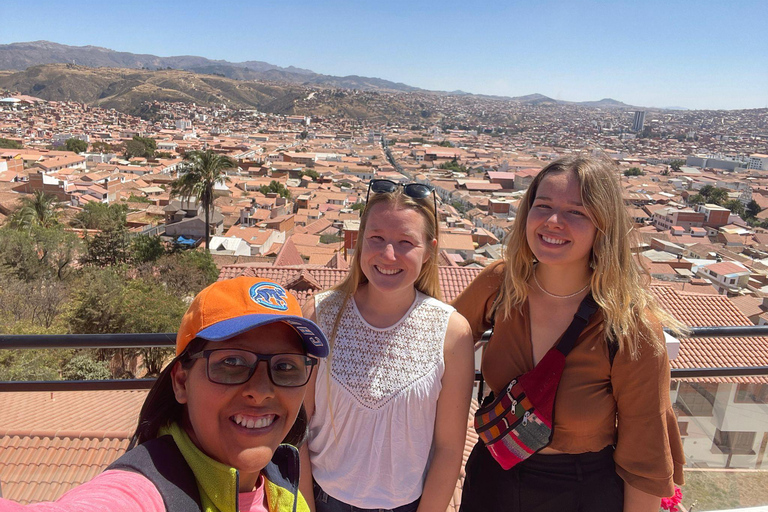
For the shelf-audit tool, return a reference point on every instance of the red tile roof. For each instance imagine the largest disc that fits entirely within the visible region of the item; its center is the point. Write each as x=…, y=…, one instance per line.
x=452, y=279
x=696, y=309
x=52, y=442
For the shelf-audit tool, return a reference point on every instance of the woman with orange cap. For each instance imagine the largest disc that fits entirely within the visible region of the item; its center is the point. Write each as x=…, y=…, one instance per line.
x=212, y=430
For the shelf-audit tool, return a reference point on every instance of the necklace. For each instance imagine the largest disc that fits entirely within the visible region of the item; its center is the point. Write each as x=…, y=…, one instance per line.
x=558, y=296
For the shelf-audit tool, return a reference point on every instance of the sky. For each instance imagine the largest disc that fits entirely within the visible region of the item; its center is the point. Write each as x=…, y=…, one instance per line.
x=699, y=54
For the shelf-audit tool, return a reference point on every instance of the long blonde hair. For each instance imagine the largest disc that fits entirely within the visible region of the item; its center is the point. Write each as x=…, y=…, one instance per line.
x=619, y=282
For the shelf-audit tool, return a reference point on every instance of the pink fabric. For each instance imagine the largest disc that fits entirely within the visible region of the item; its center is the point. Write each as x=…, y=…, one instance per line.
x=110, y=491
x=122, y=491
x=253, y=501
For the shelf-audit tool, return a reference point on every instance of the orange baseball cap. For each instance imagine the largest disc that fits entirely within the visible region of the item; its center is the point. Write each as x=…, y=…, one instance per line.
x=233, y=306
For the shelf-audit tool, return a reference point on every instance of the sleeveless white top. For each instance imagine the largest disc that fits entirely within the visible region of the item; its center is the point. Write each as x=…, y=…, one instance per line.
x=370, y=437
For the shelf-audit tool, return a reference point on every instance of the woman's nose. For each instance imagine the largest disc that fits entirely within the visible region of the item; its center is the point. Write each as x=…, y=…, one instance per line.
x=259, y=386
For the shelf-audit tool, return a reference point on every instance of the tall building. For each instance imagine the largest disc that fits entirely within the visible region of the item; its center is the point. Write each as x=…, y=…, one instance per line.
x=639, y=122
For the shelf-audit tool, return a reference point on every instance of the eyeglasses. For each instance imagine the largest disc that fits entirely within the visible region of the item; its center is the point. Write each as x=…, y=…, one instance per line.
x=235, y=366
x=412, y=190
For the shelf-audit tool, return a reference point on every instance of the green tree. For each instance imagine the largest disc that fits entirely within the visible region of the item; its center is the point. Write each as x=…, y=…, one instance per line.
x=101, y=216
x=275, y=187
x=103, y=147
x=311, y=173
x=9, y=144
x=145, y=248
x=201, y=172
x=676, y=164
x=735, y=206
x=140, y=147
x=445, y=144
x=718, y=196
x=696, y=199
x=107, y=248
x=753, y=209
x=76, y=145
x=359, y=207
x=453, y=165
x=40, y=209
x=633, y=171
x=84, y=367
x=38, y=253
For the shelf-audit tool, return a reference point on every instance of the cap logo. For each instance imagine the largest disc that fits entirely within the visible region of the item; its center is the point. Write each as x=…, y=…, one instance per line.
x=269, y=295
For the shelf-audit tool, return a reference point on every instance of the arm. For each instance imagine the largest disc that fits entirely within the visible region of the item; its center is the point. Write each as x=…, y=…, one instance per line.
x=109, y=491
x=636, y=500
x=305, y=480
x=451, y=419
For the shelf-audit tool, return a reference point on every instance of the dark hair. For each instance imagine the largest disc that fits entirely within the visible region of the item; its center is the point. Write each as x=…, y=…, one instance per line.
x=161, y=408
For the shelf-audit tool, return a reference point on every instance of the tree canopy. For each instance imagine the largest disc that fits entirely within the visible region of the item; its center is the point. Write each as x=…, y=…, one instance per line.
x=76, y=145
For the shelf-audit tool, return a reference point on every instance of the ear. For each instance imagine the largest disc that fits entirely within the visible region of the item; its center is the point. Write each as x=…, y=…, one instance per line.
x=432, y=247
x=179, y=377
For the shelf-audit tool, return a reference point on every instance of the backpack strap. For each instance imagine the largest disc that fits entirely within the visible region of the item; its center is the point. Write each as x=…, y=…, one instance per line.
x=587, y=308
x=161, y=462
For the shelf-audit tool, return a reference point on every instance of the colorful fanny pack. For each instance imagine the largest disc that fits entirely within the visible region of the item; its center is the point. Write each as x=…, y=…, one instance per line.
x=518, y=423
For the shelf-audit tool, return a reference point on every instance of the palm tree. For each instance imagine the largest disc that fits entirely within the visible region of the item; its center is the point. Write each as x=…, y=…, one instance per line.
x=39, y=210
x=202, y=170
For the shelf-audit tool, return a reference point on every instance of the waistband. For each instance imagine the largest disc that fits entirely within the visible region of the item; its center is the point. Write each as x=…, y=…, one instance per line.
x=571, y=463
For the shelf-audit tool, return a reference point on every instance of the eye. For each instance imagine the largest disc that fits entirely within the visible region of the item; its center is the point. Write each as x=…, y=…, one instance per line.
x=577, y=212
x=287, y=364
x=232, y=361
x=407, y=242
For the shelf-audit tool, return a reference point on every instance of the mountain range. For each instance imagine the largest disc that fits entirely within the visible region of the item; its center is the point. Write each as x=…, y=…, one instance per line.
x=126, y=81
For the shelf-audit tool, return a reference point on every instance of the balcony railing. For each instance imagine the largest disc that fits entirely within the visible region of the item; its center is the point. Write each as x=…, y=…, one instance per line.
x=723, y=420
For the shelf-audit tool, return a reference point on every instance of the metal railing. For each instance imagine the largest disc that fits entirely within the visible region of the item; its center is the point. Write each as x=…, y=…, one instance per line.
x=167, y=340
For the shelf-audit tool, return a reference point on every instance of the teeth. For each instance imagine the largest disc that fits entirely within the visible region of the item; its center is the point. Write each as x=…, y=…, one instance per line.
x=552, y=240
x=388, y=272
x=254, y=422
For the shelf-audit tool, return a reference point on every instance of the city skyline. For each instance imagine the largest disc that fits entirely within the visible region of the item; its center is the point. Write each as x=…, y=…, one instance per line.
x=652, y=55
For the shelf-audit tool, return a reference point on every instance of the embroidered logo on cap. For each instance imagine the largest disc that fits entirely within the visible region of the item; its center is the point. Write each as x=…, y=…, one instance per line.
x=269, y=295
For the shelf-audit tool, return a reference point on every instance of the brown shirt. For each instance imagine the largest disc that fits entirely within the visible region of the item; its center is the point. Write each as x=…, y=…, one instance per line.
x=592, y=392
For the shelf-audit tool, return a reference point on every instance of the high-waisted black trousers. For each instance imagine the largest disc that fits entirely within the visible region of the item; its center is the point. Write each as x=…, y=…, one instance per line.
x=584, y=482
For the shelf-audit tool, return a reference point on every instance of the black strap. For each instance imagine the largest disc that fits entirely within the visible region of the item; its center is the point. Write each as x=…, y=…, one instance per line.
x=580, y=320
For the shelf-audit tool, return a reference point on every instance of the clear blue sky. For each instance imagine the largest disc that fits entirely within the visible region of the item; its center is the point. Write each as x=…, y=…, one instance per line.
x=653, y=53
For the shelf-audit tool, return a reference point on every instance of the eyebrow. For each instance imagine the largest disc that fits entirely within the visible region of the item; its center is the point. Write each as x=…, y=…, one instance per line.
x=550, y=199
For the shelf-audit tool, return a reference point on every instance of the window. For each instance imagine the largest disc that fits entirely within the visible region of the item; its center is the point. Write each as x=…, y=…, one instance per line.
x=736, y=443
x=696, y=399
x=751, y=394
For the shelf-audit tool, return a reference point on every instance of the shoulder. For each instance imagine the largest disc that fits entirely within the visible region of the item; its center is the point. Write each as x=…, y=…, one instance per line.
x=431, y=302
x=488, y=280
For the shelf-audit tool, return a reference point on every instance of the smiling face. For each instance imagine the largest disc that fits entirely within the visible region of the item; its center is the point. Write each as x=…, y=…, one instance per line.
x=394, y=247
x=241, y=425
x=558, y=229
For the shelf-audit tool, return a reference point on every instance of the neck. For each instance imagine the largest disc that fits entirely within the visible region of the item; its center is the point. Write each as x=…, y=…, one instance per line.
x=562, y=281
x=383, y=309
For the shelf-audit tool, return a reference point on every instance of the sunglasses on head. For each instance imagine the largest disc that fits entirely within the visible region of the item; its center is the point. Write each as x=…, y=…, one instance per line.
x=412, y=190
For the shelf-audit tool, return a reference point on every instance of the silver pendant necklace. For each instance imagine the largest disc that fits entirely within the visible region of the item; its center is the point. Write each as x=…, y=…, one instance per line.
x=557, y=296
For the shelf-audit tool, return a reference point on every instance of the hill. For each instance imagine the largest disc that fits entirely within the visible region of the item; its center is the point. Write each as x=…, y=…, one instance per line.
x=20, y=56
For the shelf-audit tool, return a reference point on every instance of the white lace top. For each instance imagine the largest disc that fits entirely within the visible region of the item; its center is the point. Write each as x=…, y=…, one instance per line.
x=371, y=433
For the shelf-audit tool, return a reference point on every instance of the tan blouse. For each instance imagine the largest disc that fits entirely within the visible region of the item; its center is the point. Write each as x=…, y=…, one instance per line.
x=649, y=452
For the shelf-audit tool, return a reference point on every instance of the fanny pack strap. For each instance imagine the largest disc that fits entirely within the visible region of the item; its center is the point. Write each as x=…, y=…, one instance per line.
x=580, y=320
x=587, y=308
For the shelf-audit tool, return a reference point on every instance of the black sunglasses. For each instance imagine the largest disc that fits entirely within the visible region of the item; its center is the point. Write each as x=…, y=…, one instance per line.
x=235, y=366
x=412, y=190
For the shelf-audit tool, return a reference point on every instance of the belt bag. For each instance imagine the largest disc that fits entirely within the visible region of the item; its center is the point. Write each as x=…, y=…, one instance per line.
x=518, y=423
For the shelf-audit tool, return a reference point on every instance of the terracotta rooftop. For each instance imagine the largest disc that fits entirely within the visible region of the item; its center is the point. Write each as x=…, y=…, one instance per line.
x=52, y=442
x=696, y=309
x=452, y=279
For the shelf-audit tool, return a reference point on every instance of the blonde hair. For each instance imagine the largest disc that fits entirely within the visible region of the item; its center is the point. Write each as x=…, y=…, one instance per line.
x=619, y=282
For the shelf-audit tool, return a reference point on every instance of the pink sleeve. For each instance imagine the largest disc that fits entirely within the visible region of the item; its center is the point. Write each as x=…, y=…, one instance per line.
x=110, y=491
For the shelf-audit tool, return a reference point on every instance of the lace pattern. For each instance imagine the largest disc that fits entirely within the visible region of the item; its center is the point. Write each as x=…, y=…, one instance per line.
x=373, y=364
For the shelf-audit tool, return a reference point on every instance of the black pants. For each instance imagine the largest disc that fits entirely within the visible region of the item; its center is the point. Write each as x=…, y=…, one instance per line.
x=543, y=483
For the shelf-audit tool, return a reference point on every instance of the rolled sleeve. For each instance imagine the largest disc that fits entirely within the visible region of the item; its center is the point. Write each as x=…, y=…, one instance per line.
x=649, y=451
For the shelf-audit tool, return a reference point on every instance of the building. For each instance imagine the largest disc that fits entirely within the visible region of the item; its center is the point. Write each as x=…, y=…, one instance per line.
x=639, y=122
x=758, y=162
x=665, y=218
